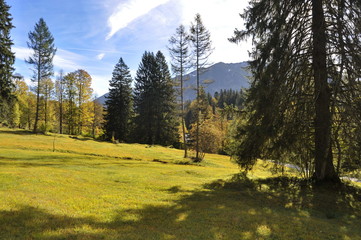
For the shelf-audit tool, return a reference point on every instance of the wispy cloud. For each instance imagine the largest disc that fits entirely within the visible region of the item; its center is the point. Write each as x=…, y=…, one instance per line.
x=128, y=12
x=100, y=56
x=22, y=53
x=67, y=60
x=63, y=59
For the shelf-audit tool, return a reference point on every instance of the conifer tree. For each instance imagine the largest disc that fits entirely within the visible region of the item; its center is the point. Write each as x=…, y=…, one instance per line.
x=167, y=132
x=7, y=58
x=179, y=51
x=306, y=81
x=119, y=103
x=41, y=42
x=202, y=48
x=154, y=102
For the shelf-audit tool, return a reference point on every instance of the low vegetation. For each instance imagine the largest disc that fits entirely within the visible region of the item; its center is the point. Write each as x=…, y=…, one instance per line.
x=61, y=187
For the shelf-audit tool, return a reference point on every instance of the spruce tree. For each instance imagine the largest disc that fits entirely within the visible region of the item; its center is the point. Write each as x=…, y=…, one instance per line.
x=306, y=82
x=7, y=58
x=167, y=129
x=41, y=42
x=179, y=51
x=154, y=100
x=202, y=48
x=119, y=103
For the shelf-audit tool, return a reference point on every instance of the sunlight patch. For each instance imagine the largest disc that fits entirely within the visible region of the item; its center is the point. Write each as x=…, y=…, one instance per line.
x=264, y=230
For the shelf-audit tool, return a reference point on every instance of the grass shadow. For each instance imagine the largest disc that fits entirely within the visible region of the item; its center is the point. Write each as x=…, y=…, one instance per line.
x=17, y=132
x=241, y=208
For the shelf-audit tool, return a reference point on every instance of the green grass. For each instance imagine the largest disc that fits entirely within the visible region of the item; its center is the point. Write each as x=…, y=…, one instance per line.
x=95, y=190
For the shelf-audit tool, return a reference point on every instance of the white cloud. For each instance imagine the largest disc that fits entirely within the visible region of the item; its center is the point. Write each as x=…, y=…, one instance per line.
x=220, y=17
x=100, y=56
x=22, y=53
x=63, y=59
x=125, y=13
x=68, y=61
x=100, y=84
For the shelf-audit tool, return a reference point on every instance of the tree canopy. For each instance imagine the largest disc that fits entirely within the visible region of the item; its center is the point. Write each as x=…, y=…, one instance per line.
x=306, y=80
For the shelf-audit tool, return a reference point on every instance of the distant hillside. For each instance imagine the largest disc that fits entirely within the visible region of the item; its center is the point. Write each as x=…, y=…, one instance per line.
x=221, y=75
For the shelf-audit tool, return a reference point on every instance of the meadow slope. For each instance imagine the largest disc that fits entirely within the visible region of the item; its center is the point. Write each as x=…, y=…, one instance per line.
x=61, y=187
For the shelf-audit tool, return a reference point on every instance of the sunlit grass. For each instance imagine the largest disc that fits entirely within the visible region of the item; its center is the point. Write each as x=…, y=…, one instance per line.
x=95, y=190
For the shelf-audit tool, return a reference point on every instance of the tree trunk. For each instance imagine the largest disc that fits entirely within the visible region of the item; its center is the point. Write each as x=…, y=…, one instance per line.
x=324, y=168
x=198, y=108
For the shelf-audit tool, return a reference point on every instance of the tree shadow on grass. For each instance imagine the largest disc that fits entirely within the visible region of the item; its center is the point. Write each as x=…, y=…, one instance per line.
x=17, y=132
x=274, y=208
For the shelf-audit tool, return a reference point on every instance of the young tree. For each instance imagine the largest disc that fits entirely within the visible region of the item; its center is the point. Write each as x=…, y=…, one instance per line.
x=179, y=52
x=154, y=102
x=119, y=103
x=202, y=48
x=41, y=42
x=7, y=58
x=306, y=72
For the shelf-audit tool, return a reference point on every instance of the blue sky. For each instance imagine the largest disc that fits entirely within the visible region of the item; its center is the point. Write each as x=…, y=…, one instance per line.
x=93, y=34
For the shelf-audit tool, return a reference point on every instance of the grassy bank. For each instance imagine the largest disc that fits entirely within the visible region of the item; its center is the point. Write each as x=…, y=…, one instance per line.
x=58, y=187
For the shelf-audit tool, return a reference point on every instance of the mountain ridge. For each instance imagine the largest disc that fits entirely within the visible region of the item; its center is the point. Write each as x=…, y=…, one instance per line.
x=221, y=75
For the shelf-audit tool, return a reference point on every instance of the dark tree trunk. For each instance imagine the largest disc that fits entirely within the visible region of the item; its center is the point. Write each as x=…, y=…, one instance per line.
x=324, y=168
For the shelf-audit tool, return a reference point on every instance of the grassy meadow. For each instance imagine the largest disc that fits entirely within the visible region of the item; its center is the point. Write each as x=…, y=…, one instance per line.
x=61, y=187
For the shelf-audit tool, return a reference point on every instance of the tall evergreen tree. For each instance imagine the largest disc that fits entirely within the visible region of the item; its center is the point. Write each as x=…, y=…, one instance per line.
x=202, y=48
x=154, y=102
x=167, y=129
x=7, y=58
x=179, y=51
x=306, y=73
x=119, y=103
x=41, y=42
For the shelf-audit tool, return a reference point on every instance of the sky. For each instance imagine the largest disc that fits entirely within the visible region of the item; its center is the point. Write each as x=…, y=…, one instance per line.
x=93, y=34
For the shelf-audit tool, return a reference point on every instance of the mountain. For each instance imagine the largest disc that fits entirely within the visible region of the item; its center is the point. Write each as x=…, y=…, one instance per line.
x=216, y=77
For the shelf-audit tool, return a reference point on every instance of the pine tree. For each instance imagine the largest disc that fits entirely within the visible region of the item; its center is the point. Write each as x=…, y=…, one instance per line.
x=41, y=42
x=179, y=52
x=154, y=102
x=306, y=73
x=119, y=103
x=202, y=48
x=7, y=58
